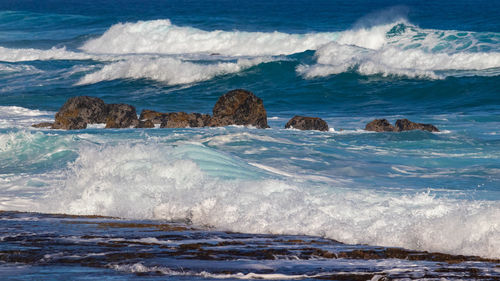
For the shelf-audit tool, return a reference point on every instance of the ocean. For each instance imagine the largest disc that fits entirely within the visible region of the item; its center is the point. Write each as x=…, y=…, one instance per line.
x=240, y=202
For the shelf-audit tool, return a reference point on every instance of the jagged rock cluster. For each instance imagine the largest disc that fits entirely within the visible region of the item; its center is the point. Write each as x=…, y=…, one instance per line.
x=236, y=107
x=382, y=125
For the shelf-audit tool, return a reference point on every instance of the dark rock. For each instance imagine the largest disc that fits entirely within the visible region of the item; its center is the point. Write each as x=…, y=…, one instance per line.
x=379, y=125
x=154, y=116
x=77, y=112
x=307, y=123
x=407, y=125
x=121, y=116
x=43, y=125
x=239, y=107
x=183, y=120
x=67, y=122
x=145, y=124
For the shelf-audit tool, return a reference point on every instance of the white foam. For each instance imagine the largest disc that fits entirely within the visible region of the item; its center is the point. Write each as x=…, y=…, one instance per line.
x=168, y=70
x=162, y=37
x=16, y=55
x=141, y=268
x=9, y=68
x=15, y=116
x=160, y=182
x=370, y=38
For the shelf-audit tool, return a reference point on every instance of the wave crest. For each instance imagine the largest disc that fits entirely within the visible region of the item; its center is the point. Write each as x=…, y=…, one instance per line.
x=162, y=37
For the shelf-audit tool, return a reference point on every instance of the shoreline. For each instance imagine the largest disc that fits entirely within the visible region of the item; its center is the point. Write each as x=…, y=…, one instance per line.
x=375, y=252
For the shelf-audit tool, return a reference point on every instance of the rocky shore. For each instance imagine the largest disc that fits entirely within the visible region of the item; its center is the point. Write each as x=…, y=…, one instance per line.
x=104, y=242
x=236, y=107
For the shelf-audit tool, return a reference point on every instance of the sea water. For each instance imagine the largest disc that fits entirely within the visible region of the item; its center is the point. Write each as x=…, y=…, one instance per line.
x=345, y=62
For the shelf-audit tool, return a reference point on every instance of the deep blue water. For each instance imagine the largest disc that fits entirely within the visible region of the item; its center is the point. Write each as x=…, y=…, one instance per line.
x=347, y=62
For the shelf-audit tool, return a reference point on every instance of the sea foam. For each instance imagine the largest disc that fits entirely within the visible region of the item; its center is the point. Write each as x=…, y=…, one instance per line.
x=16, y=116
x=178, y=183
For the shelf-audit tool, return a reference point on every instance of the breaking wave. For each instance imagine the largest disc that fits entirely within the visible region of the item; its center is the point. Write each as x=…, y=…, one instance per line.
x=161, y=51
x=184, y=182
x=402, y=49
x=162, y=37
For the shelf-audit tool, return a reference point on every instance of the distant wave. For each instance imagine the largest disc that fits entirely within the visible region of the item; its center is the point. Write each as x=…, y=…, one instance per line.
x=402, y=49
x=18, y=55
x=416, y=63
x=161, y=51
x=162, y=37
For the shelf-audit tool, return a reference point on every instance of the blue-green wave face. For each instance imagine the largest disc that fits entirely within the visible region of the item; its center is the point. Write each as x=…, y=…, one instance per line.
x=347, y=63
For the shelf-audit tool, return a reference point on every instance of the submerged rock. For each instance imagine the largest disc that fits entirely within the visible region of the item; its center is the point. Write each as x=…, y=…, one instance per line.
x=407, y=125
x=379, y=125
x=307, y=123
x=77, y=112
x=155, y=116
x=43, y=125
x=382, y=125
x=239, y=107
x=121, y=116
x=183, y=120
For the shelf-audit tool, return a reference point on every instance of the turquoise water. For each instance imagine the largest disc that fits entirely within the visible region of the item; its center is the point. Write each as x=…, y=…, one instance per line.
x=347, y=63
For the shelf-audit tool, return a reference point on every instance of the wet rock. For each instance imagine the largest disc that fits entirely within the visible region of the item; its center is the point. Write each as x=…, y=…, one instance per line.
x=239, y=107
x=43, y=125
x=145, y=124
x=307, y=123
x=155, y=116
x=183, y=120
x=379, y=125
x=77, y=112
x=407, y=125
x=121, y=116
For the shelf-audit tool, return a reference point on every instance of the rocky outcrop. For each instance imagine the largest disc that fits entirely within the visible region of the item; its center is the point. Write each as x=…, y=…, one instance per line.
x=239, y=107
x=379, y=125
x=236, y=107
x=155, y=116
x=77, y=112
x=307, y=123
x=184, y=120
x=407, y=125
x=382, y=125
x=121, y=116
